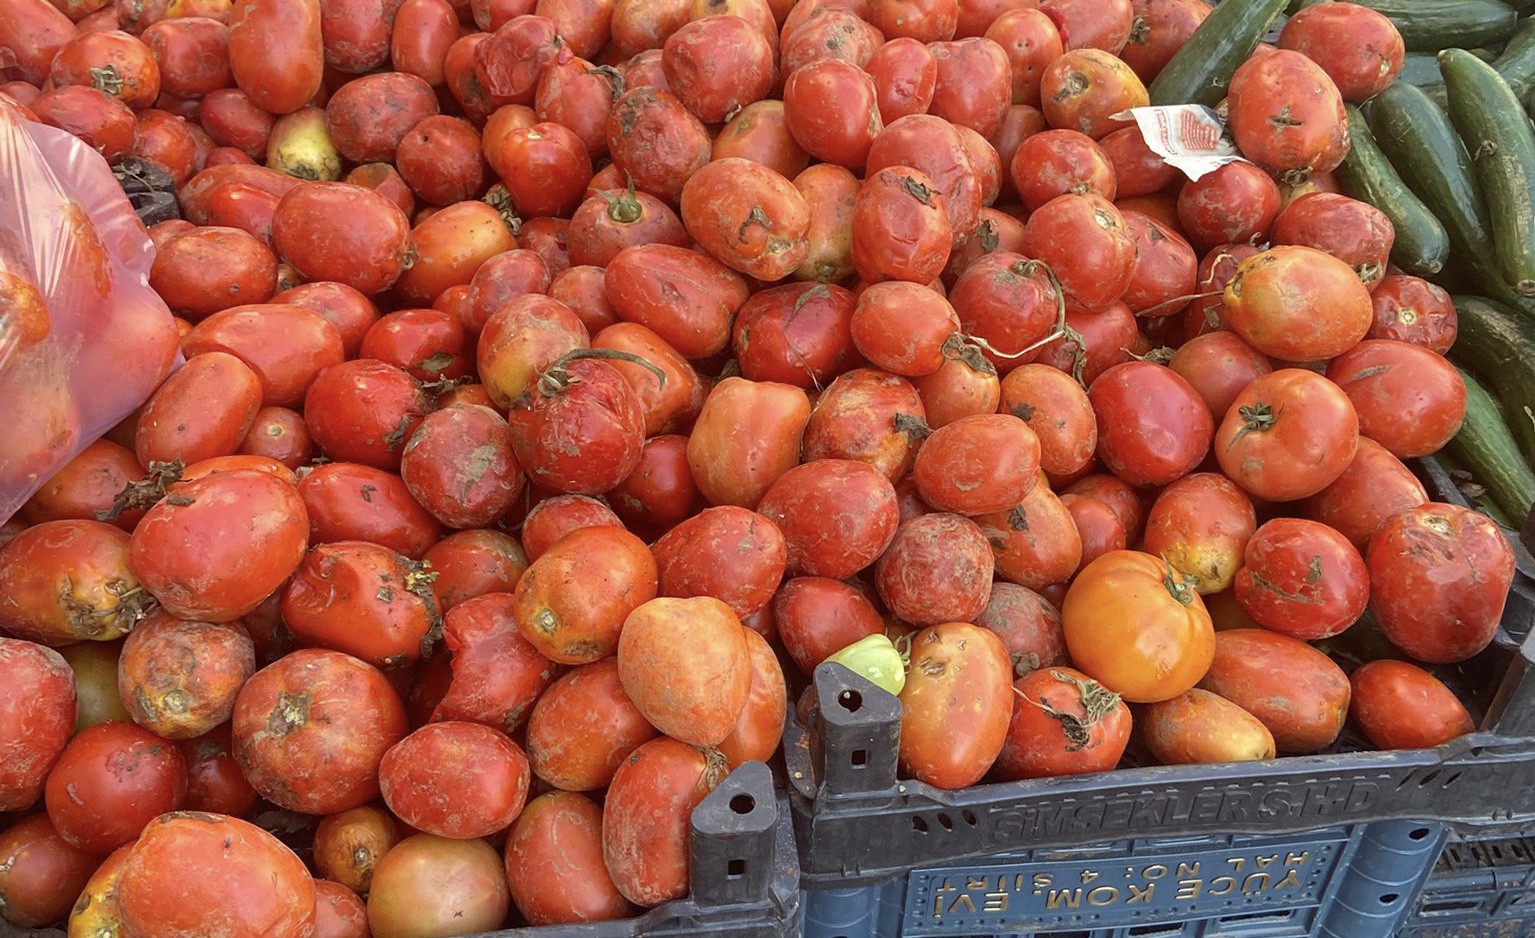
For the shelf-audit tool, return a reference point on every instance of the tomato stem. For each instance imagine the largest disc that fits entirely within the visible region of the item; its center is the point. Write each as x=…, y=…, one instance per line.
x=145, y=492
x=624, y=209
x=1260, y=416
x=557, y=378
x=1175, y=586
x=1174, y=301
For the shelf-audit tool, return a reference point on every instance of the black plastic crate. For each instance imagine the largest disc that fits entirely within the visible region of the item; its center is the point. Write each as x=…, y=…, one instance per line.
x=744, y=874
x=1478, y=889
x=1338, y=881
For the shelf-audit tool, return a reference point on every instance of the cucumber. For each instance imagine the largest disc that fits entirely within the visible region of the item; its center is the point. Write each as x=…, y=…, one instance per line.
x=1421, y=245
x=1200, y=70
x=1498, y=135
x=1470, y=490
x=1497, y=344
x=1517, y=62
x=1420, y=141
x=1431, y=25
x=1486, y=447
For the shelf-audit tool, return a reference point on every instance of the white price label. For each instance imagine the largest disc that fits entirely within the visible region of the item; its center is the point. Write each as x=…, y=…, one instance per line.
x=1189, y=137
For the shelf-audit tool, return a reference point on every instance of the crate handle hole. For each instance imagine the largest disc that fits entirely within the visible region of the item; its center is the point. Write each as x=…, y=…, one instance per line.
x=1388, y=898
x=859, y=758
x=918, y=824
x=1428, y=779
x=1418, y=833
x=735, y=869
x=969, y=817
x=946, y=821
x=743, y=804
x=850, y=700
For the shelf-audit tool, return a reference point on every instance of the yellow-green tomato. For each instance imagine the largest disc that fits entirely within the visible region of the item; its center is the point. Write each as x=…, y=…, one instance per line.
x=874, y=657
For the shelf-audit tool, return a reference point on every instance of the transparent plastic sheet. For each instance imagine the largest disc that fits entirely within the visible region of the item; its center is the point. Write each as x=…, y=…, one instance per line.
x=83, y=338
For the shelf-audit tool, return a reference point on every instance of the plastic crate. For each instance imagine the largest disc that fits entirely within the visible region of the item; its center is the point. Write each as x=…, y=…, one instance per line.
x=744, y=874
x=1478, y=889
x=1339, y=881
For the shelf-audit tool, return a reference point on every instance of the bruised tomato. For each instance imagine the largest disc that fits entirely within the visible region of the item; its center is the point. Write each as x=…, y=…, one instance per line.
x=1153, y=427
x=1063, y=723
x=38, y=718
x=1398, y=705
x=567, y=824
x=1201, y=524
x=1287, y=116
x=573, y=600
x=422, y=780
x=955, y=704
x=1294, y=689
x=1198, y=726
x=1302, y=578
x=645, y=818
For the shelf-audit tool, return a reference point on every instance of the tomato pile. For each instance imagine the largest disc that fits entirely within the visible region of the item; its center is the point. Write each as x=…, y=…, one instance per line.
x=567, y=379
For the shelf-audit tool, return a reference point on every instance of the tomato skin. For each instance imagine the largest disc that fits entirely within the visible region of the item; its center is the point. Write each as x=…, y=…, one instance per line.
x=215, y=783
x=473, y=563
x=204, y=409
x=904, y=328
x=228, y=575
x=1313, y=138
x=832, y=111
x=936, y=569
x=348, y=845
x=568, y=825
x=38, y=718
x=612, y=219
x=905, y=75
x=497, y=674
x=1302, y=578
x=208, y=874
x=362, y=599
x=901, y=227
x=1230, y=205
x=572, y=601
x=1198, y=726
x=654, y=138
x=1153, y=427
x=1355, y=232
x=685, y=297
x=1036, y=542
x=423, y=783
x=1413, y=310
x=581, y=431
x=955, y=705
x=276, y=52
x=837, y=516
x=1029, y=626
x=799, y=333
x=86, y=484
x=1008, y=301
x=974, y=83
x=1097, y=524
x=717, y=65
x=110, y=781
x=583, y=727
x=1135, y=625
x=1401, y=706
x=1439, y=579
x=316, y=707
x=1064, y=723
x=1295, y=690
x=1201, y=524
x=924, y=20
x=1374, y=488
x=41, y=874
x=645, y=818
x=554, y=517
x=748, y=216
x=758, y=730
x=1409, y=399
x=164, y=696
x=101, y=120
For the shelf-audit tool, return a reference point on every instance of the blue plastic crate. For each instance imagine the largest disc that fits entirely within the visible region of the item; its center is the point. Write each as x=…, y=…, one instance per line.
x=1338, y=881
x=1478, y=889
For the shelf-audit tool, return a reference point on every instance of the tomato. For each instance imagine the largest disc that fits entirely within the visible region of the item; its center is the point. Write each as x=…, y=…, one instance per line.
x=717, y=65
x=1232, y=204
x=1134, y=624
x=797, y=334
x=473, y=563
x=828, y=32
x=342, y=232
x=905, y=75
x=553, y=518
x=582, y=430
x=1288, y=435
x=748, y=216
x=1083, y=239
x=523, y=337
x=1153, y=427
x=581, y=288
x=1061, y=160
x=351, y=313
x=34, y=30
x=1286, y=115
x=1063, y=723
x=110, y=781
x=428, y=885
x=978, y=464
x=251, y=530
x=96, y=907
x=1302, y=578
x=1165, y=269
x=421, y=34
x=204, y=409
x=610, y=220
x=39, y=718
x=974, y=83
x=163, y=694
x=901, y=227
x=497, y=674
x=1029, y=626
x=1363, y=64
x=1219, y=365
x=215, y=783
x=352, y=502
x=1409, y=399
x=459, y=465
x=1296, y=691
x=284, y=344
x=94, y=665
x=61, y=581
x=568, y=825
x=423, y=785
x=685, y=297
x=349, y=844
x=1201, y=524
x=1058, y=411
x=1355, y=232
x=955, y=705
x=1198, y=726
x=1084, y=88
x=1009, y=303
x=657, y=141
x=112, y=61
x=837, y=516
x=959, y=389
x=1375, y=487
x=646, y=814
x=1413, y=310
x=1036, y=542
x=936, y=569
x=365, y=600
x=1439, y=578
x=572, y=601
x=905, y=328
x=364, y=411
x=817, y=617
x=41, y=873
x=355, y=33
x=1401, y=706
x=747, y=435
x=1031, y=41
x=685, y=664
x=276, y=52
x=856, y=416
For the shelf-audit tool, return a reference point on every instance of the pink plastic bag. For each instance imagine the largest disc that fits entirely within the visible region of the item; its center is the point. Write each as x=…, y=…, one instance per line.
x=83, y=339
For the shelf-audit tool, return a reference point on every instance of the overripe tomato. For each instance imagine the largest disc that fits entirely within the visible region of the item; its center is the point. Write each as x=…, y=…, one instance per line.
x=497, y=674
x=1084, y=88
x=1134, y=624
x=348, y=501
x=1363, y=63
x=1028, y=625
x=163, y=694
x=573, y=600
x=1153, y=427
x=41, y=873
x=39, y=718
x=936, y=569
x=747, y=435
x=1409, y=399
x=1399, y=705
x=1198, y=726
x=1035, y=543
x=955, y=705
x=428, y=885
x=978, y=464
x=62, y=581
x=645, y=818
x=1232, y=204
x=1063, y=723
x=286, y=345
x=569, y=825
x=1413, y=310
x=110, y=781
x=423, y=784
x=1219, y=365
x=1083, y=239
x=1287, y=116
x=1201, y=524
x=276, y=52
x=365, y=600
x=1374, y=488
x=1355, y=232
x=1302, y=578
x=1295, y=690
x=685, y=664
x=817, y=617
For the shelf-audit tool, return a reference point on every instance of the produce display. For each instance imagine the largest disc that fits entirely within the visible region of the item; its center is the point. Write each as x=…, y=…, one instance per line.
x=565, y=380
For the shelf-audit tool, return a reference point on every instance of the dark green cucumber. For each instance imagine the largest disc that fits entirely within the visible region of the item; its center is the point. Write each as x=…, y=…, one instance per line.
x=1468, y=488
x=1200, y=70
x=1497, y=344
x=1486, y=447
x=1431, y=25
x=1517, y=62
x=1421, y=245
x=1497, y=134
x=1420, y=141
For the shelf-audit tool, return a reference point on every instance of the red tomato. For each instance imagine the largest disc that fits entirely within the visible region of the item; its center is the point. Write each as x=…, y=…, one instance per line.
x=215, y=783
x=1302, y=578
x=1363, y=63
x=111, y=780
x=1085, y=87
x=459, y=465
x=837, y=516
x=1055, y=162
x=349, y=501
x=645, y=818
x=1153, y=427
x=1232, y=204
x=611, y=220
x=39, y=717
x=1355, y=232
x=936, y=569
x=473, y=563
x=555, y=517
x=938, y=151
x=717, y=65
x=1401, y=706
x=1288, y=435
x=1295, y=690
x=955, y=705
x=978, y=464
x=818, y=617
x=1219, y=365
x=1413, y=310
x=573, y=600
x=1010, y=303
x=1201, y=524
x=1084, y=240
x=747, y=216
x=579, y=889
x=363, y=599
x=905, y=328
x=974, y=84
x=1375, y=487
x=924, y=20
x=88, y=483
x=1097, y=524
x=657, y=141
x=1409, y=399
x=423, y=783
x=1028, y=625
x=164, y=696
x=747, y=435
x=1439, y=578
x=905, y=75
x=1031, y=40
x=497, y=674
x=1063, y=723
x=1035, y=543
x=364, y=411
x=342, y=232
x=1165, y=270
x=685, y=297
x=901, y=227
x=1286, y=115
x=276, y=52
x=427, y=885
x=726, y=552
x=685, y=664
x=41, y=874
x=583, y=727
x=34, y=30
